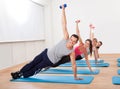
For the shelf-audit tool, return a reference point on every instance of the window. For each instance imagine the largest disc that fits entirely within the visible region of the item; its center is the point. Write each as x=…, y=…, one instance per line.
x=21, y=20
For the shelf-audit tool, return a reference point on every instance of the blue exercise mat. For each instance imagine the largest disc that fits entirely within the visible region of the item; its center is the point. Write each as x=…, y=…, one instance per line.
x=116, y=80
x=118, y=64
x=56, y=79
x=91, y=61
x=84, y=61
x=68, y=71
x=85, y=65
x=118, y=60
x=118, y=71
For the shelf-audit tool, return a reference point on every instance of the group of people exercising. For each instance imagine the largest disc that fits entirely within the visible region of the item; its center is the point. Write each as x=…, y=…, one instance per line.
x=63, y=52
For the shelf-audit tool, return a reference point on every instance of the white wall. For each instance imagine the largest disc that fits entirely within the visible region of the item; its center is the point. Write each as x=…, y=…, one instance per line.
x=49, y=32
x=104, y=14
x=19, y=52
x=13, y=53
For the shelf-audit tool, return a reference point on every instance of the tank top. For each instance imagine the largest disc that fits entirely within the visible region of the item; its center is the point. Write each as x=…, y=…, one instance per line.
x=56, y=53
x=78, y=52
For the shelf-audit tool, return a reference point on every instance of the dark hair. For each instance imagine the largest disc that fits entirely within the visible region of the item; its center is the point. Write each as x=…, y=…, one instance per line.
x=97, y=47
x=90, y=48
x=76, y=36
x=101, y=42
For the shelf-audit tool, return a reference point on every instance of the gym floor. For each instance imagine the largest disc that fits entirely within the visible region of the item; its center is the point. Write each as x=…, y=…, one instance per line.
x=103, y=80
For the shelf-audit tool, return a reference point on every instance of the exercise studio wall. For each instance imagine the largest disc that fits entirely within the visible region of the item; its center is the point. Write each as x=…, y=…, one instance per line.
x=21, y=20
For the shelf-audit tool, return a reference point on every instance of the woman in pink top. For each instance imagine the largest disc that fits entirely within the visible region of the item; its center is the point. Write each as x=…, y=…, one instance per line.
x=82, y=49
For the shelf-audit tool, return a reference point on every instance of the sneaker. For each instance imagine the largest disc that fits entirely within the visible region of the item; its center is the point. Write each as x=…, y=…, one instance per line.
x=16, y=75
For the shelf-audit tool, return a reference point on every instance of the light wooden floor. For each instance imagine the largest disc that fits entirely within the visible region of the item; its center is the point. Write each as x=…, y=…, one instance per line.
x=101, y=81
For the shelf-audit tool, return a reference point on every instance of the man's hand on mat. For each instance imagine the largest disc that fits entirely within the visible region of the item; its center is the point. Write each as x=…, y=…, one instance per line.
x=76, y=78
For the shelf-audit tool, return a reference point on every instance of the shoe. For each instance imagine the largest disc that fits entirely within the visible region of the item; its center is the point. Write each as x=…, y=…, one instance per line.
x=16, y=75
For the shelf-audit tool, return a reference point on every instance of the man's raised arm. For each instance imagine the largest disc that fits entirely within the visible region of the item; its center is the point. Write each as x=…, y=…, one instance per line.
x=64, y=24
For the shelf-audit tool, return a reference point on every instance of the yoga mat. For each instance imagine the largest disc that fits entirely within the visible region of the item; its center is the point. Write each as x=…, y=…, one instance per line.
x=118, y=71
x=91, y=61
x=118, y=64
x=68, y=71
x=84, y=62
x=118, y=60
x=85, y=65
x=56, y=79
x=116, y=80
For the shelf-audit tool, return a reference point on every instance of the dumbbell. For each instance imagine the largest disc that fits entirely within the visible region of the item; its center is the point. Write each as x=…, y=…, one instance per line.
x=65, y=5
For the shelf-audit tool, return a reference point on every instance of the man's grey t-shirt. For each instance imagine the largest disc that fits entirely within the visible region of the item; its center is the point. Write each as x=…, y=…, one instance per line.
x=58, y=51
